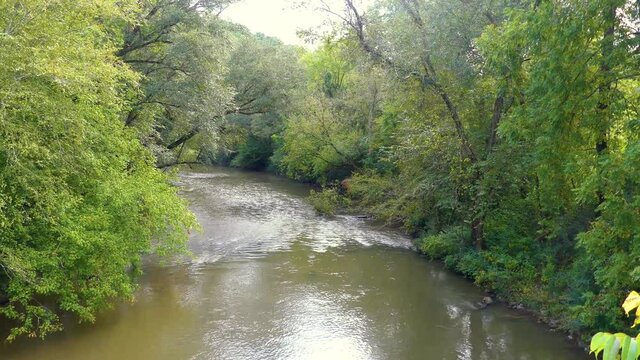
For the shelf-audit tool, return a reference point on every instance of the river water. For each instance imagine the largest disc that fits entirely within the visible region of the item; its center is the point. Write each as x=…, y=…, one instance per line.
x=270, y=279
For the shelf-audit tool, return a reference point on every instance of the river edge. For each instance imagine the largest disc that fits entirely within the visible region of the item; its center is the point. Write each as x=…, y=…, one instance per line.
x=537, y=315
x=552, y=323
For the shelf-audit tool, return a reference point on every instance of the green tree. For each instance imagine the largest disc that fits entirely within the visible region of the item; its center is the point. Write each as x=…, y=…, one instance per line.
x=80, y=198
x=447, y=66
x=181, y=50
x=576, y=79
x=329, y=133
x=267, y=77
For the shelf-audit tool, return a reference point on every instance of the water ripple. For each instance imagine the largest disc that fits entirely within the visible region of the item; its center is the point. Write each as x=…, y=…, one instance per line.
x=246, y=219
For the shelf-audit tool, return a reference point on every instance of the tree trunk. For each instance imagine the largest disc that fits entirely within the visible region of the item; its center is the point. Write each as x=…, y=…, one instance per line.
x=477, y=232
x=498, y=107
x=184, y=138
x=604, y=90
x=372, y=117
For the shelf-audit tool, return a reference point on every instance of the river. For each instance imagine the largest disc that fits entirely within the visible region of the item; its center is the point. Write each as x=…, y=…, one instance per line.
x=271, y=279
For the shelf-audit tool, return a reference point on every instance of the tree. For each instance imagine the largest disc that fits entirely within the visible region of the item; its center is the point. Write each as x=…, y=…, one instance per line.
x=329, y=133
x=577, y=118
x=267, y=77
x=448, y=66
x=80, y=198
x=181, y=48
x=318, y=144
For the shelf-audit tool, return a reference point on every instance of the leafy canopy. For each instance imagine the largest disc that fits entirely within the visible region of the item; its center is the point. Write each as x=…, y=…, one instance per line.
x=80, y=198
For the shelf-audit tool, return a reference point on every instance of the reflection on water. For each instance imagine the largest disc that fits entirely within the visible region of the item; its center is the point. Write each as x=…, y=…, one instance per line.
x=272, y=280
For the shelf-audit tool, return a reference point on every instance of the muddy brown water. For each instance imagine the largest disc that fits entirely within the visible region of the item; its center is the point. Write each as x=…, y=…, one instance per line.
x=270, y=279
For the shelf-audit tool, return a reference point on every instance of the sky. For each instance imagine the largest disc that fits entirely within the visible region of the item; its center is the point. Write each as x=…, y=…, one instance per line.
x=279, y=18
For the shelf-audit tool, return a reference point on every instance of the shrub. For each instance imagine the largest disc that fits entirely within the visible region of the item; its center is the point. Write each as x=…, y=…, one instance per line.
x=443, y=244
x=327, y=201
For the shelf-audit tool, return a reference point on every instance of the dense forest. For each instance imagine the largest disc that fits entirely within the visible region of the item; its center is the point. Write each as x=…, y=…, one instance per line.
x=503, y=135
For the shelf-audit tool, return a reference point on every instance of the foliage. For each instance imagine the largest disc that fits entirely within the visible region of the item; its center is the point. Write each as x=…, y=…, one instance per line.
x=574, y=120
x=253, y=154
x=267, y=77
x=327, y=201
x=181, y=50
x=441, y=245
x=80, y=198
x=318, y=146
x=329, y=132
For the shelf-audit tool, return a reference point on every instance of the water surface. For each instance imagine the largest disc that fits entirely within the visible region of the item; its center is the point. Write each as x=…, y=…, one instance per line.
x=270, y=279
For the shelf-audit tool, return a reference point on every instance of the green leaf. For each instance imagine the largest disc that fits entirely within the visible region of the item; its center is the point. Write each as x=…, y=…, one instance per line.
x=631, y=351
x=611, y=348
x=598, y=342
x=625, y=340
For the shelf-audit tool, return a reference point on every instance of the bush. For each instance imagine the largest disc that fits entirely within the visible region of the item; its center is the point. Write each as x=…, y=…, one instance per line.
x=444, y=244
x=327, y=201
